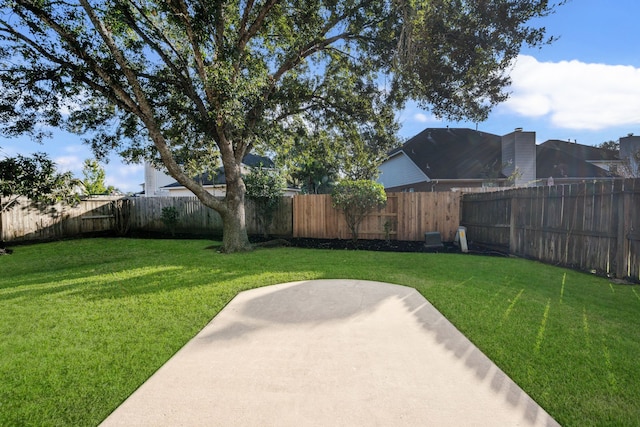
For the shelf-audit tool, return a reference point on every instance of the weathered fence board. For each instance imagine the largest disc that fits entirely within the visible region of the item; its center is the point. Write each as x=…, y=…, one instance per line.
x=589, y=226
x=105, y=214
x=407, y=216
x=25, y=222
x=193, y=217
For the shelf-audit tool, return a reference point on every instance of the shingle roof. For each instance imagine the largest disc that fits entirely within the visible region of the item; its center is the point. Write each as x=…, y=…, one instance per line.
x=460, y=153
x=218, y=178
x=455, y=153
x=579, y=151
x=560, y=163
x=253, y=160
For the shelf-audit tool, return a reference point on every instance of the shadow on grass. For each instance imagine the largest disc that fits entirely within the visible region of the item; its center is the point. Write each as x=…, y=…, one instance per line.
x=117, y=284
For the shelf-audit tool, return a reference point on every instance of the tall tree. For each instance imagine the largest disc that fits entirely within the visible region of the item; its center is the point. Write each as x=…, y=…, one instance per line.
x=94, y=176
x=157, y=79
x=311, y=162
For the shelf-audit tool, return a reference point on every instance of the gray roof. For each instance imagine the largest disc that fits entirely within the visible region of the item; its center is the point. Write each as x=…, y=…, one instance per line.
x=217, y=177
x=455, y=153
x=460, y=153
x=580, y=151
x=561, y=163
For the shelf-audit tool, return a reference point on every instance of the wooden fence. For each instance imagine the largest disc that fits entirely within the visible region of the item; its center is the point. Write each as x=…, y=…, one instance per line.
x=589, y=226
x=194, y=217
x=24, y=222
x=592, y=226
x=407, y=216
x=138, y=214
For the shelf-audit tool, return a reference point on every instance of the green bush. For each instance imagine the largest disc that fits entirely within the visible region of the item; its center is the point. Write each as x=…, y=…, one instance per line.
x=170, y=218
x=265, y=188
x=357, y=199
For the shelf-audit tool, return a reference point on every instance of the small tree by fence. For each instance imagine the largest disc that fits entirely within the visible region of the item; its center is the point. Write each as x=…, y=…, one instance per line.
x=265, y=189
x=170, y=218
x=356, y=200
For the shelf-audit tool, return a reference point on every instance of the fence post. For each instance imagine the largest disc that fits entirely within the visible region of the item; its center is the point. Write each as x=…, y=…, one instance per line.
x=512, y=221
x=624, y=221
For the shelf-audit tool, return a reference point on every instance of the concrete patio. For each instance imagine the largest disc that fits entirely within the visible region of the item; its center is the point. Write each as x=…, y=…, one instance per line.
x=329, y=353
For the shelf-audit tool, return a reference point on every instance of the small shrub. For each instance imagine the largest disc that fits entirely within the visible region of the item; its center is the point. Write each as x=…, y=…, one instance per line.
x=170, y=218
x=357, y=199
x=388, y=227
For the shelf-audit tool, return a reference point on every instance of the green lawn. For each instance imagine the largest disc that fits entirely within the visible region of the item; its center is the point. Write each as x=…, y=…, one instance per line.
x=85, y=322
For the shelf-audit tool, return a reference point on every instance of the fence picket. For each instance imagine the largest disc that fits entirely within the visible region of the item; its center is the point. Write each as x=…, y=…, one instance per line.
x=589, y=226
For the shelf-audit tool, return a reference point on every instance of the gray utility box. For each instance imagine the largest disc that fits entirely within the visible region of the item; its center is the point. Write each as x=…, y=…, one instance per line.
x=433, y=239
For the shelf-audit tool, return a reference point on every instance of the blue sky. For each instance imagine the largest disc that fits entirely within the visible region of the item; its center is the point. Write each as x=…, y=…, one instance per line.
x=584, y=87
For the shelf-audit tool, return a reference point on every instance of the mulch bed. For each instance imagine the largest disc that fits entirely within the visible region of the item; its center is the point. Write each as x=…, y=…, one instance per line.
x=371, y=245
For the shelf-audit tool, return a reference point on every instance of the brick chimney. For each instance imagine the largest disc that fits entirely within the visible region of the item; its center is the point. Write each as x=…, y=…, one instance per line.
x=630, y=153
x=519, y=154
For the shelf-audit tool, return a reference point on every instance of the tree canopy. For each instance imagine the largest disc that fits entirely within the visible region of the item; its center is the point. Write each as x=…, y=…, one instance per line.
x=93, y=178
x=36, y=178
x=611, y=146
x=176, y=79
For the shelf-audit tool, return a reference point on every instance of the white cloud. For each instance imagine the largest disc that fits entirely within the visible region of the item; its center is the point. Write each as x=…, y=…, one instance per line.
x=575, y=95
x=423, y=118
x=69, y=163
x=126, y=178
x=71, y=158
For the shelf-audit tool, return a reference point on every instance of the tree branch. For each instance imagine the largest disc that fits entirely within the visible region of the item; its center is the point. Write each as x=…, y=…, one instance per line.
x=147, y=115
x=305, y=52
x=245, y=18
x=77, y=71
x=185, y=81
x=246, y=35
x=182, y=11
x=78, y=51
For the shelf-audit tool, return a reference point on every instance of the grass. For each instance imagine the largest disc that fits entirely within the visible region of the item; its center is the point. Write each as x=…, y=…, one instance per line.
x=85, y=322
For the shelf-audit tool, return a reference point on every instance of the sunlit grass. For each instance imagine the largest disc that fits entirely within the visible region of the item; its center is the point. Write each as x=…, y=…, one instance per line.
x=85, y=322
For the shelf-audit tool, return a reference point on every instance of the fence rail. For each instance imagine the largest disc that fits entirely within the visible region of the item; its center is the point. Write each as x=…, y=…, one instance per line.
x=590, y=226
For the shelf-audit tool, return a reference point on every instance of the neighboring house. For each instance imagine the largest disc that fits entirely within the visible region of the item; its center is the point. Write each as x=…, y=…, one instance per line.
x=441, y=159
x=568, y=162
x=158, y=183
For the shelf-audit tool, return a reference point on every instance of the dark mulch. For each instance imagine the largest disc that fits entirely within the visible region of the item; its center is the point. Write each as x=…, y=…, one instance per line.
x=307, y=243
x=371, y=245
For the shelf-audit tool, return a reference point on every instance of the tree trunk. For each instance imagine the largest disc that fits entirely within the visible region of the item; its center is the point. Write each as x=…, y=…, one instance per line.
x=234, y=232
x=234, y=228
